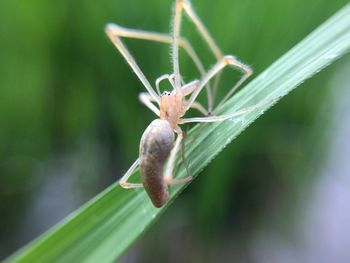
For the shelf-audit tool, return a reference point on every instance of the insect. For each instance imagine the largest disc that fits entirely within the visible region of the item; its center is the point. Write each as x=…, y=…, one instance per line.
x=157, y=147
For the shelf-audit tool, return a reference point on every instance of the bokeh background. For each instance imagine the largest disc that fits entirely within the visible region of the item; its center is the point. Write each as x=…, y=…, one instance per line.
x=70, y=124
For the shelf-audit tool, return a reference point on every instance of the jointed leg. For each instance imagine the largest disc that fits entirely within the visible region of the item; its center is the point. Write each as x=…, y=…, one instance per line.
x=168, y=174
x=158, y=37
x=190, y=88
x=197, y=106
x=186, y=5
x=247, y=73
x=163, y=77
x=223, y=62
x=124, y=180
x=227, y=116
x=170, y=78
x=118, y=31
x=183, y=158
x=147, y=99
x=114, y=37
x=175, y=44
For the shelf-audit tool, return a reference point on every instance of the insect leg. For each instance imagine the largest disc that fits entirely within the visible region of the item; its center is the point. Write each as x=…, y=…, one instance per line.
x=197, y=106
x=183, y=158
x=124, y=180
x=147, y=99
x=113, y=33
x=217, y=53
x=186, y=5
x=170, y=78
x=175, y=43
x=210, y=42
x=230, y=115
x=163, y=77
x=247, y=73
x=188, y=89
x=168, y=174
x=222, y=63
x=157, y=37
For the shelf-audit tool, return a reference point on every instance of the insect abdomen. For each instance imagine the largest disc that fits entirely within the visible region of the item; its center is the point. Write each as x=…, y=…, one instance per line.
x=156, y=144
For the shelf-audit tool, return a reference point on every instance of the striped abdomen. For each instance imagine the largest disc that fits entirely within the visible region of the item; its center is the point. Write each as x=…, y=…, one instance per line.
x=156, y=144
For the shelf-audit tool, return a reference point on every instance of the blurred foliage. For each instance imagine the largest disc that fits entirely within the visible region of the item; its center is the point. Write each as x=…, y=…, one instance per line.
x=66, y=93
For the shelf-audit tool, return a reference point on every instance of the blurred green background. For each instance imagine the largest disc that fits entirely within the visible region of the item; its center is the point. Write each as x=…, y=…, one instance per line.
x=70, y=124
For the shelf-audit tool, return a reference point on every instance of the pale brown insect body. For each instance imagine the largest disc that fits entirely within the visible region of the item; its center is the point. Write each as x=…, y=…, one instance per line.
x=157, y=147
x=156, y=144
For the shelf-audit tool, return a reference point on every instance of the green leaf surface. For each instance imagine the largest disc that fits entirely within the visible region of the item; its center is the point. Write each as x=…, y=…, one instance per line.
x=107, y=225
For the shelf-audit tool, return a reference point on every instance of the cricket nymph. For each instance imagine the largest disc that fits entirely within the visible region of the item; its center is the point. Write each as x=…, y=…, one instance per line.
x=155, y=147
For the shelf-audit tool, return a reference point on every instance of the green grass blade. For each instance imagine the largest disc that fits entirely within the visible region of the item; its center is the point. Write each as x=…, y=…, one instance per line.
x=107, y=225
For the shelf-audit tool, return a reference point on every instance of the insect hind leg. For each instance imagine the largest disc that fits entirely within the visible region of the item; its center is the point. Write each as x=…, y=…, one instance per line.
x=169, y=180
x=124, y=180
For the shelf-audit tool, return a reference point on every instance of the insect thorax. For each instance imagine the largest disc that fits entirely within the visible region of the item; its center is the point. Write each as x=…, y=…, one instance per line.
x=171, y=107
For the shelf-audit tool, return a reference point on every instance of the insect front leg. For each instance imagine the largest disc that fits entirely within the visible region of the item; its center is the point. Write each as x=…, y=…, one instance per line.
x=158, y=37
x=124, y=180
x=147, y=99
x=163, y=77
x=116, y=32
